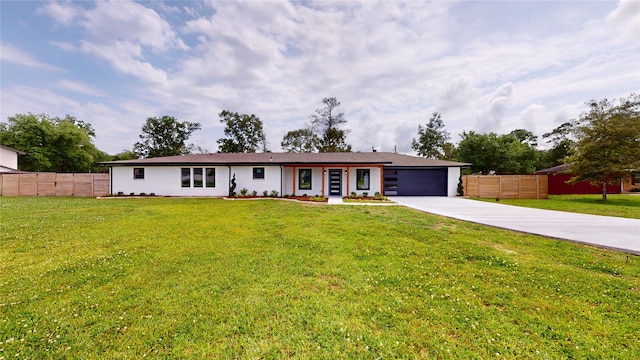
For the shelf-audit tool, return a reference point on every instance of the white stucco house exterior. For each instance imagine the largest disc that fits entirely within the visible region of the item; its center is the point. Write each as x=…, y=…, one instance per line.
x=323, y=174
x=9, y=159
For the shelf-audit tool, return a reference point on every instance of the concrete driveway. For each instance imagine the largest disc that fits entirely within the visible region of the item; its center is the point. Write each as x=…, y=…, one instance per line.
x=602, y=231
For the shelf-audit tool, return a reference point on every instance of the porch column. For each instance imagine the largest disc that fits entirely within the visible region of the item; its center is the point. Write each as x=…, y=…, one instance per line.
x=294, y=181
x=347, y=175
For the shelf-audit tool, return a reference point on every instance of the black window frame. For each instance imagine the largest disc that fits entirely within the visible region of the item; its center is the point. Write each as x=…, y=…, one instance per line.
x=300, y=179
x=363, y=172
x=258, y=173
x=207, y=178
x=186, y=184
x=138, y=173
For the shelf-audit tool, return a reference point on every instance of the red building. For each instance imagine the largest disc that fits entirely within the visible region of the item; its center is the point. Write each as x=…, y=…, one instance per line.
x=558, y=185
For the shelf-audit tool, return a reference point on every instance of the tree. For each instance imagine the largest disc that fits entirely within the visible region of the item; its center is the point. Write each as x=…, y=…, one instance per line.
x=243, y=133
x=125, y=155
x=51, y=143
x=448, y=150
x=193, y=149
x=499, y=154
x=326, y=122
x=300, y=141
x=431, y=138
x=525, y=137
x=521, y=157
x=481, y=150
x=562, y=142
x=164, y=136
x=608, y=142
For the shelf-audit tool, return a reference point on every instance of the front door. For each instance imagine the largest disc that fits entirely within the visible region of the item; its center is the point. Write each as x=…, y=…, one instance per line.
x=335, y=182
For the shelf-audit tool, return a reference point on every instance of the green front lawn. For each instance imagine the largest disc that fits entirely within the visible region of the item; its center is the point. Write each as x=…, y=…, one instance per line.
x=619, y=205
x=208, y=278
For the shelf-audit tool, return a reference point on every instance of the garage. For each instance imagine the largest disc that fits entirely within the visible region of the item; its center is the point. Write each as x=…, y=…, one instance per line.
x=415, y=181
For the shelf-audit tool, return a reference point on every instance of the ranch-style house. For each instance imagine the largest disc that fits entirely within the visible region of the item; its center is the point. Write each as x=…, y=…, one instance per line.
x=324, y=174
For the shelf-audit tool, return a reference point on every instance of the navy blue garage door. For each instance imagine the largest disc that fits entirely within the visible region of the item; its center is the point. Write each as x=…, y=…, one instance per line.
x=415, y=182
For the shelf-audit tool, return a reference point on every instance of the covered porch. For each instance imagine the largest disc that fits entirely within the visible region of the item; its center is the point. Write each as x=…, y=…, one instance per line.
x=333, y=179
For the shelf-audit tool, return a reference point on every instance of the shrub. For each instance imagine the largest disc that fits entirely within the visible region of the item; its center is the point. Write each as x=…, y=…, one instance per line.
x=379, y=196
x=232, y=185
x=152, y=194
x=254, y=193
x=460, y=188
x=274, y=193
x=265, y=193
x=364, y=193
x=353, y=194
x=635, y=190
x=143, y=194
x=120, y=193
x=131, y=194
x=244, y=191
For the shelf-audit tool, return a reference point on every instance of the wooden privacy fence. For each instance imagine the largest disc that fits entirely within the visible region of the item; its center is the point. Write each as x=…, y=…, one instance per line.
x=53, y=184
x=506, y=186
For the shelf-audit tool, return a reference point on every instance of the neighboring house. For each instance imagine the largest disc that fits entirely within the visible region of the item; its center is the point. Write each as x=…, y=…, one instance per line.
x=559, y=175
x=9, y=159
x=631, y=182
x=325, y=174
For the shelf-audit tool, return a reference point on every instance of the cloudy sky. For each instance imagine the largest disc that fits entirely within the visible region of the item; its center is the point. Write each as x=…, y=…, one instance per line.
x=484, y=65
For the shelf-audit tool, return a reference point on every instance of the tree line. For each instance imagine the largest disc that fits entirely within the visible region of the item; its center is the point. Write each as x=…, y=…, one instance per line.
x=54, y=144
x=601, y=144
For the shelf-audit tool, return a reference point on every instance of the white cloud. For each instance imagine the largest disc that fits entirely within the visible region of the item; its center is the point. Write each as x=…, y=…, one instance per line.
x=112, y=134
x=24, y=99
x=123, y=56
x=125, y=21
x=530, y=118
x=626, y=18
x=80, y=87
x=121, y=32
x=63, y=13
x=491, y=118
x=14, y=55
x=488, y=67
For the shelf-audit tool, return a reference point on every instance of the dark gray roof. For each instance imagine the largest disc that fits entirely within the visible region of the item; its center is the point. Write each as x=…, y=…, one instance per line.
x=562, y=168
x=382, y=158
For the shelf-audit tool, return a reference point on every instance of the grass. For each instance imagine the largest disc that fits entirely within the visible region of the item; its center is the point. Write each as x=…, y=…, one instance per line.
x=619, y=205
x=206, y=278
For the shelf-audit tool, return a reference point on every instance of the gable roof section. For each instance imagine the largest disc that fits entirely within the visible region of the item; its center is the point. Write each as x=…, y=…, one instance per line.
x=378, y=158
x=12, y=149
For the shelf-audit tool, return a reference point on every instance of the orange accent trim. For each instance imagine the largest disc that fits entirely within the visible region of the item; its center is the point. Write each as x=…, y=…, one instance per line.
x=323, y=170
x=301, y=165
x=294, y=181
x=382, y=180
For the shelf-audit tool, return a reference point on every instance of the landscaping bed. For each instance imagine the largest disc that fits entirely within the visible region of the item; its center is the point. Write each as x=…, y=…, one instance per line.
x=354, y=197
x=286, y=197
